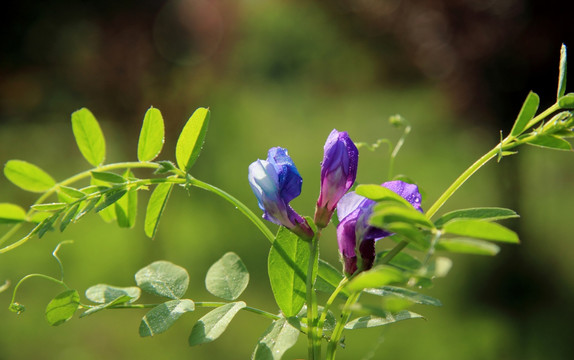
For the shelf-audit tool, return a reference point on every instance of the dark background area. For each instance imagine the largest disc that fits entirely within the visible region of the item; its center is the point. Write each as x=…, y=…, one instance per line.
x=286, y=73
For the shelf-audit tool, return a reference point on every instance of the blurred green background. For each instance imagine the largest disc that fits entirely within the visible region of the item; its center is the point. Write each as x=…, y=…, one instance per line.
x=285, y=73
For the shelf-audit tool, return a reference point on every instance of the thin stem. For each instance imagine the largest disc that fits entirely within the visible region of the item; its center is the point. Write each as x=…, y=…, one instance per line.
x=336, y=337
x=238, y=205
x=328, y=304
x=200, y=304
x=314, y=343
x=46, y=277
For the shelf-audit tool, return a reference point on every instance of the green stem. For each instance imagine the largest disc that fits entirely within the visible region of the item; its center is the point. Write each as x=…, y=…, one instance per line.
x=238, y=205
x=313, y=341
x=198, y=304
x=328, y=304
x=46, y=277
x=336, y=337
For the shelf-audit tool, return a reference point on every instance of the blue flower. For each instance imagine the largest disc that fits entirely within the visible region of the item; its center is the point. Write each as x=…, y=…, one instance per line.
x=338, y=173
x=353, y=212
x=276, y=182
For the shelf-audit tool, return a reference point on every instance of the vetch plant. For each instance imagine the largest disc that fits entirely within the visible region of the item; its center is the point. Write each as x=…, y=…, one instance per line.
x=365, y=214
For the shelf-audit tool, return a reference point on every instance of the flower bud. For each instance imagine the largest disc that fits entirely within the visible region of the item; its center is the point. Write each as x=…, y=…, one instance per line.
x=338, y=173
x=275, y=182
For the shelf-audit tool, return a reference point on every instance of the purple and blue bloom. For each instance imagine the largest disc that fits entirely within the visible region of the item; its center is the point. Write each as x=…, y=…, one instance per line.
x=353, y=212
x=338, y=173
x=276, y=182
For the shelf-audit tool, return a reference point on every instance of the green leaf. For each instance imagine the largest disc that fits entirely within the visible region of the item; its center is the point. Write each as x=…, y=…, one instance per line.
x=550, y=141
x=103, y=293
x=227, y=277
x=287, y=267
x=11, y=213
x=409, y=232
x=62, y=307
x=406, y=294
x=71, y=192
x=214, y=323
x=47, y=224
x=402, y=260
x=151, y=135
x=162, y=317
x=483, y=213
x=28, y=176
x=49, y=206
x=108, y=177
x=163, y=278
x=467, y=246
x=481, y=230
x=374, y=321
x=155, y=208
x=383, y=214
x=110, y=198
x=127, y=207
x=566, y=102
x=89, y=205
x=328, y=277
x=526, y=114
x=380, y=193
x=89, y=136
x=68, y=216
x=191, y=139
x=378, y=276
x=562, y=73
x=278, y=338
x=94, y=309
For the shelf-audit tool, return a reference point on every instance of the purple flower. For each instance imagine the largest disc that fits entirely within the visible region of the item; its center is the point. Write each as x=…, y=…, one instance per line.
x=276, y=182
x=338, y=173
x=354, y=211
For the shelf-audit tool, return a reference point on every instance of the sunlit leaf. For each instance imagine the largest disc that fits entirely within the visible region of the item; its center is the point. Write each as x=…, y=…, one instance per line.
x=162, y=317
x=483, y=213
x=526, y=114
x=69, y=216
x=126, y=208
x=403, y=293
x=214, y=323
x=480, y=230
x=287, y=267
x=468, y=246
x=103, y=293
x=380, y=193
x=11, y=213
x=89, y=136
x=566, y=101
x=164, y=279
x=374, y=321
x=62, y=307
x=191, y=139
x=384, y=215
x=28, y=176
x=117, y=301
x=550, y=141
x=109, y=177
x=155, y=208
x=110, y=198
x=72, y=192
x=378, y=276
x=227, y=277
x=49, y=206
x=278, y=338
x=151, y=135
